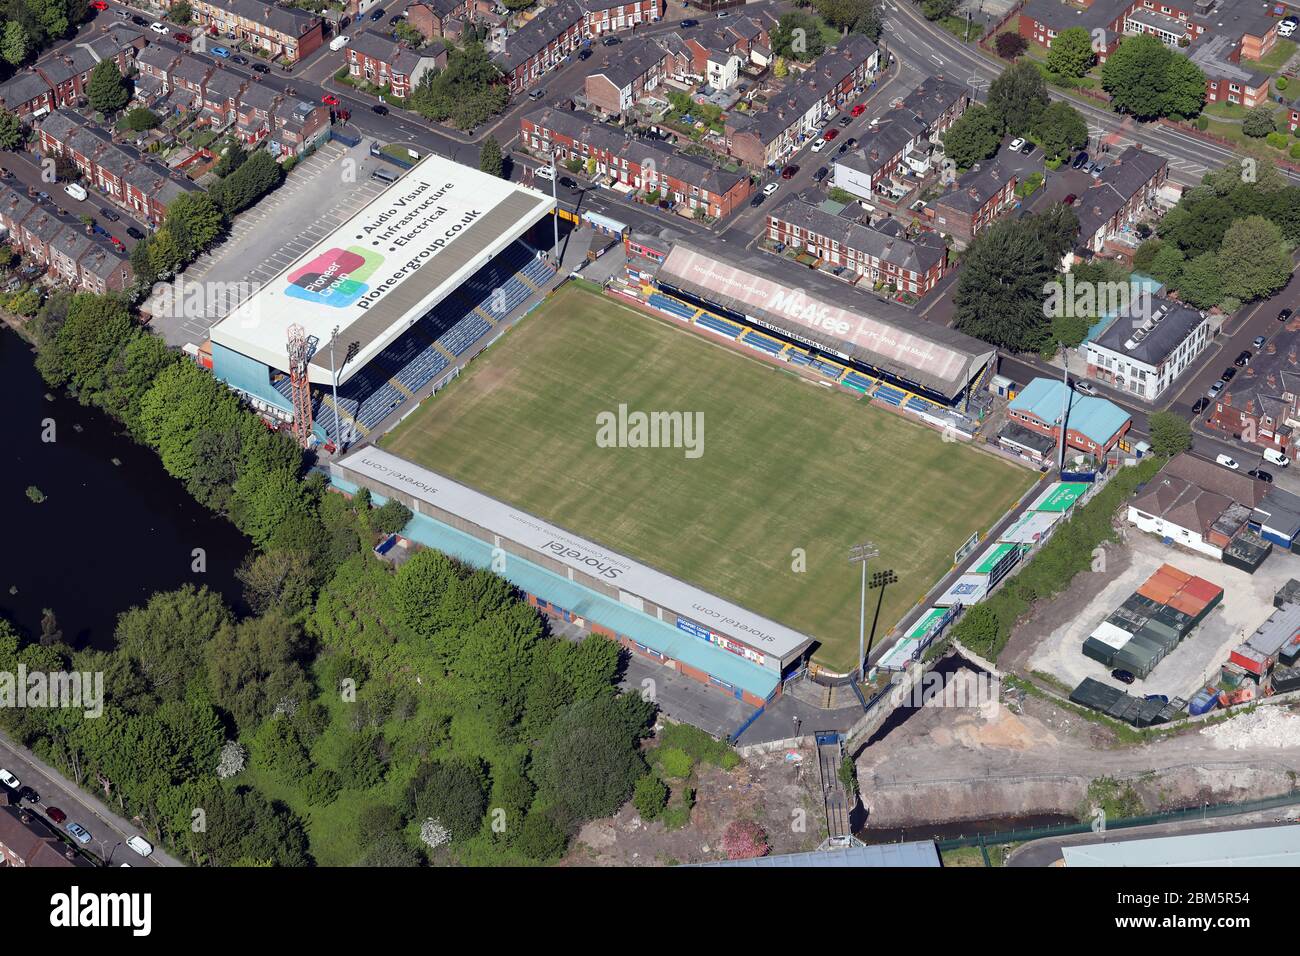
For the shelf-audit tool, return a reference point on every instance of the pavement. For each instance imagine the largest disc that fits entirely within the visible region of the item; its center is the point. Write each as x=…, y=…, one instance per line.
x=108, y=830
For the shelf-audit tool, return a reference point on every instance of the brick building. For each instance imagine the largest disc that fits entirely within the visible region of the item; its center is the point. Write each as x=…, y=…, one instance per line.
x=281, y=32
x=1114, y=201
x=633, y=69
x=26, y=842
x=1093, y=426
x=63, y=245
x=975, y=199
x=393, y=66
x=1261, y=402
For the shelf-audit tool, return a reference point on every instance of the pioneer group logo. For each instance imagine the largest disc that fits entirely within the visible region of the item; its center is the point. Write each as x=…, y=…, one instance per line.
x=336, y=277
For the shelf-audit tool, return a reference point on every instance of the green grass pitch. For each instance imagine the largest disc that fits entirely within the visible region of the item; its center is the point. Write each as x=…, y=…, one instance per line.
x=791, y=474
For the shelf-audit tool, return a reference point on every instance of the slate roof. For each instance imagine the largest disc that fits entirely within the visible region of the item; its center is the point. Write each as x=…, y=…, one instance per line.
x=1176, y=321
x=629, y=61
x=23, y=87
x=287, y=20
x=520, y=46
x=914, y=257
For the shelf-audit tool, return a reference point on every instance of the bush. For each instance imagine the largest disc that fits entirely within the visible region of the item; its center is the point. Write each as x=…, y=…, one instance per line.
x=391, y=518
x=675, y=763
x=376, y=821
x=699, y=745
x=1280, y=83
x=1276, y=140
x=1202, y=123
x=360, y=763
x=1294, y=151
x=540, y=839
x=650, y=797
x=744, y=840
x=1010, y=45
x=321, y=786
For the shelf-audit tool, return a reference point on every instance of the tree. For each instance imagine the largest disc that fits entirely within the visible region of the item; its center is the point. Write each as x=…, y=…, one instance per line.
x=391, y=517
x=141, y=119
x=1167, y=265
x=180, y=12
x=744, y=840
x=1147, y=79
x=254, y=178
x=1201, y=283
x=779, y=68
x=650, y=796
x=979, y=629
x=96, y=328
x=973, y=137
x=360, y=762
x=1010, y=45
x=1170, y=434
x=999, y=296
x=938, y=9
x=490, y=160
x=587, y=764
x=1071, y=52
x=797, y=36
x=540, y=837
x=467, y=92
x=166, y=637
x=277, y=580
x=869, y=22
x=451, y=792
x=1061, y=129
x=106, y=89
x=256, y=666
x=1018, y=97
x=15, y=43
x=1259, y=122
x=243, y=824
x=1253, y=260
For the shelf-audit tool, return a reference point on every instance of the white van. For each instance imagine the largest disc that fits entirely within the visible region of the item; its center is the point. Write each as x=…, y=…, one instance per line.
x=340, y=41
x=140, y=845
x=1227, y=462
x=1276, y=457
x=76, y=191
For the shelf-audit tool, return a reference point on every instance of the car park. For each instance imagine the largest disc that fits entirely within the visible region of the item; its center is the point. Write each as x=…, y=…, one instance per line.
x=134, y=233
x=1228, y=374
x=79, y=833
x=1123, y=676
x=9, y=780
x=1215, y=389
x=1200, y=405
x=221, y=51
x=1259, y=341
x=789, y=172
x=771, y=188
x=1227, y=462
x=1260, y=475
x=379, y=108
x=55, y=815
x=160, y=28
x=1016, y=144
x=1242, y=360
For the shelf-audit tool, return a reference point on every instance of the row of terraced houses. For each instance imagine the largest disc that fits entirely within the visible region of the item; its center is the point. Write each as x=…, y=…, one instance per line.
x=62, y=244
x=60, y=78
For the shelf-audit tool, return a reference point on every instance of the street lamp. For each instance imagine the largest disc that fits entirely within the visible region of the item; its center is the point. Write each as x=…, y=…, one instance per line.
x=861, y=554
x=334, y=377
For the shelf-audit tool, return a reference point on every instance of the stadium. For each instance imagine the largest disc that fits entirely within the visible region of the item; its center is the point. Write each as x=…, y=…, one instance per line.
x=414, y=283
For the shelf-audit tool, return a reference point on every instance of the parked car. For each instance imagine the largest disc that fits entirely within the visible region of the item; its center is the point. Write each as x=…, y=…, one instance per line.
x=858, y=109
x=584, y=53
x=1095, y=170
x=1287, y=26
x=1016, y=144
x=1027, y=149
x=261, y=68
x=379, y=108
x=29, y=795
x=184, y=38
x=545, y=172
x=79, y=833
x=1124, y=677
x=1276, y=457
x=1228, y=374
x=329, y=99
x=1284, y=315
x=1227, y=462
x=221, y=51
x=1160, y=697
x=1215, y=389
x=831, y=134
x=568, y=182
x=611, y=41
x=818, y=145
x=1069, y=200
x=1260, y=475
x=850, y=142
x=9, y=780
x=160, y=28
x=395, y=19
x=771, y=188
x=1242, y=360
x=789, y=171
x=76, y=191
x=687, y=24
x=134, y=233
x=1259, y=341
x=845, y=121
x=98, y=4
x=241, y=60
x=1079, y=161
x=124, y=14
x=758, y=199
x=821, y=174
x=1200, y=405
x=99, y=230
x=55, y=815
x=376, y=15
x=139, y=21
x=138, y=843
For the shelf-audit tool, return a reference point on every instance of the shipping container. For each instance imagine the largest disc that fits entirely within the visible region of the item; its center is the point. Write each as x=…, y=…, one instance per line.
x=1252, y=660
x=1286, y=679
x=1173, y=618
x=1098, y=651
x=1095, y=694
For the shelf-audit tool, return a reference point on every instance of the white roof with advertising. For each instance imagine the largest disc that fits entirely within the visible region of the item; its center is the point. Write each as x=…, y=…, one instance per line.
x=385, y=268
x=1029, y=527
x=966, y=590
x=578, y=553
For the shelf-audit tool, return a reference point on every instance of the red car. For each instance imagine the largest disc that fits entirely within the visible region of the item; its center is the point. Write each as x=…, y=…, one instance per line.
x=329, y=99
x=858, y=110
x=789, y=171
x=55, y=814
x=98, y=5
x=830, y=134
x=183, y=38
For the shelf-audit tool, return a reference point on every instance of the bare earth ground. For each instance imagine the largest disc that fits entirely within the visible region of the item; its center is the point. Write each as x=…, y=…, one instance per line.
x=776, y=792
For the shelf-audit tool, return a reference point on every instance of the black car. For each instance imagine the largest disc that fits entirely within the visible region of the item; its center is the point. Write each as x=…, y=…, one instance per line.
x=134, y=233
x=140, y=21
x=261, y=68
x=376, y=15
x=1259, y=475
x=611, y=41
x=1124, y=677
x=757, y=200
x=850, y=142
x=1242, y=360
x=821, y=174
x=380, y=108
x=109, y=214
x=1079, y=161
x=30, y=795
x=1284, y=315
x=568, y=182
x=687, y=24
x=1201, y=404
x=584, y=53
x=241, y=60
x=846, y=121
x=394, y=20
x=1027, y=149
x=1228, y=374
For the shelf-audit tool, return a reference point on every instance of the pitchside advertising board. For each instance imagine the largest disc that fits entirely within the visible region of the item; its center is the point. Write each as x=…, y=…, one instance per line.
x=703, y=615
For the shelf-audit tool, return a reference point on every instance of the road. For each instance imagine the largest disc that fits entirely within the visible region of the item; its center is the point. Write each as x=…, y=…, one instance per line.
x=109, y=831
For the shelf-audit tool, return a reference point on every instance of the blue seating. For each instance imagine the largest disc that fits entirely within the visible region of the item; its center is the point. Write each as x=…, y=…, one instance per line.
x=672, y=306
x=890, y=395
x=721, y=326
x=799, y=358
x=464, y=334
x=762, y=343
x=825, y=368
x=858, y=381
x=920, y=405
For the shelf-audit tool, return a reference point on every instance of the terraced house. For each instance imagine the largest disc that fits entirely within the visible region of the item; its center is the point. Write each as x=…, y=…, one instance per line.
x=394, y=66
x=286, y=33
x=1113, y=203
x=636, y=68
x=870, y=255
x=63, y=245
x=636, y=164
x=59, y=79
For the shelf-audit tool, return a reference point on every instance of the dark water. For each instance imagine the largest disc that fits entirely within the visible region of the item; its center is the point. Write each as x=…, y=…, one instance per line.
x=963, y=828
x=108, y=535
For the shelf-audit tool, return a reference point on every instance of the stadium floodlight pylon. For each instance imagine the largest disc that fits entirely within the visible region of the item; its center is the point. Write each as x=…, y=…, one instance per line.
x=301, y=387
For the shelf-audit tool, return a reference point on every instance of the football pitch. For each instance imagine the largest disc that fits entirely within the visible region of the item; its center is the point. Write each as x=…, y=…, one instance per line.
x=788, y=476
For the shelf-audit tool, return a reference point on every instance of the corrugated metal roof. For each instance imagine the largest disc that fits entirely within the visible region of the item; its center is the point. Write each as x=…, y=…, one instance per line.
x=1262, y=846
x=885, y=854
x=1097, y=418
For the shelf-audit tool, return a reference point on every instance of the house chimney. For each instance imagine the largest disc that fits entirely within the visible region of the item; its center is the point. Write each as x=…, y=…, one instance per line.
x=1250, y=372
x=1250, y=406
x=1291, y=357
x=1272, y=380
x=1227, y=398
x=1271, y=348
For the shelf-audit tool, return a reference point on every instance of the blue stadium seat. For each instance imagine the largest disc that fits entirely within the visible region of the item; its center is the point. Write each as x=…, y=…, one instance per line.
x=672, y=306
x=762, y=343
x=721, y=326
x=858, y=381
x=889, y=394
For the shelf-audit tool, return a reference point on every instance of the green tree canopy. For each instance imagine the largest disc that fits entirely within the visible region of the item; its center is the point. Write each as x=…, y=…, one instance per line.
x=1018, y=97
x=1147, y=79
x=107, y=89
x=1071, y=52
x=973, y=137
x=1170, y=434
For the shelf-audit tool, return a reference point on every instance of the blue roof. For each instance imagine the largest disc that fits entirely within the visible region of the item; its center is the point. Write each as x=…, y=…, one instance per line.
x=1097, y=418
x=884, y=854
x=591, y=605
